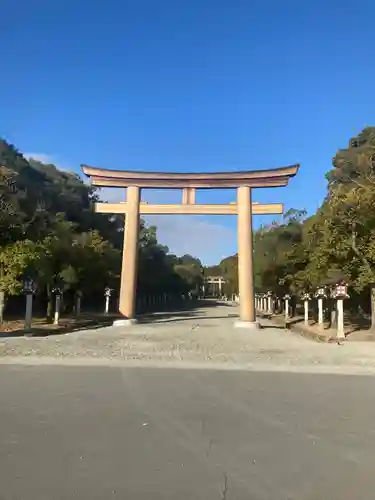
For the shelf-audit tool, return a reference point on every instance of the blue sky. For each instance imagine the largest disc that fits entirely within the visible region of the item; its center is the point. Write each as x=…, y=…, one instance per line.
x=193, y=85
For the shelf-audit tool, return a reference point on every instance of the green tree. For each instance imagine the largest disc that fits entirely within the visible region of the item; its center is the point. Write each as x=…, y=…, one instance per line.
x=16, y=259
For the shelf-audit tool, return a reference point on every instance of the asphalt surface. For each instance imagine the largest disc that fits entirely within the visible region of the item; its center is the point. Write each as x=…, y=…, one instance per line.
x=97, y=433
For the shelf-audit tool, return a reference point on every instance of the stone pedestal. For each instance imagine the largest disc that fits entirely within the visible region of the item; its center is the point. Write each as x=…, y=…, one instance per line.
x=250, y=325
x=125, y=322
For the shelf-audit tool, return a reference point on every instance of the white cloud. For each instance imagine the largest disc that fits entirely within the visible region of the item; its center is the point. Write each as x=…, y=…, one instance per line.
x=48, y=159
x=193, y=235
x=183, y=234
x=39, y=157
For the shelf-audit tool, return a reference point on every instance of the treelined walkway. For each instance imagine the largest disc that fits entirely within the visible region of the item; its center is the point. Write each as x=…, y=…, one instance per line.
x=203, y=337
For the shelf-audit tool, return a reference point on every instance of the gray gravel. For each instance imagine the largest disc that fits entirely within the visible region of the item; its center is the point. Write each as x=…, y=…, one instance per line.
x=204, y=337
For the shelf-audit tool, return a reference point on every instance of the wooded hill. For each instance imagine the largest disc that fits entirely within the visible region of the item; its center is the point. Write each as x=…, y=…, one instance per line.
x=50, y=232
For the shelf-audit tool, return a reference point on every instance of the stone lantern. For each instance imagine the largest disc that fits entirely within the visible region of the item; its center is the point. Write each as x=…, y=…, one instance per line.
x=320, y=294
x=57, y=291
x=107, y=295
x=287, y=298
x=340, y=292
x=306, y=297
x=29, y=288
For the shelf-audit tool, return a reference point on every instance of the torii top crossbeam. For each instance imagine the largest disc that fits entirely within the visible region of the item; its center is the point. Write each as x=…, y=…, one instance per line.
x=208, y=180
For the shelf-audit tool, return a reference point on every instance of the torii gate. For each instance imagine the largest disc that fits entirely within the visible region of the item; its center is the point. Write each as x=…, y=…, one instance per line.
x=244, y=182
x=212, y=280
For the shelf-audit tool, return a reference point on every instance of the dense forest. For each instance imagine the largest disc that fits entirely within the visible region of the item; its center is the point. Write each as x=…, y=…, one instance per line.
x=49, y=232
x=337, y=242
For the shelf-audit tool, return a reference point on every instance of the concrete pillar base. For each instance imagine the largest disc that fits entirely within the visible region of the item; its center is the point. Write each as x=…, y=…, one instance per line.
x=251, y=325
x=125, y=322
x=339, y=337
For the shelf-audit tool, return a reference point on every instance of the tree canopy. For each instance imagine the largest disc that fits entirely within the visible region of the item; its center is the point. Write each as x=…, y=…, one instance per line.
x=337, y=242
x=49, y=231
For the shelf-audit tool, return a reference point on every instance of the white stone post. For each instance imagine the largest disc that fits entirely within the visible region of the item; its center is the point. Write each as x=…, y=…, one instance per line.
x=340, y=293
x=306, y=306
x=320, y=311
x=2, y=306
x=286, y=298
x=107, y=295
x=57, y=309
x=269, y=304
x=29, y=311
x=78, y=304
x=340, y=318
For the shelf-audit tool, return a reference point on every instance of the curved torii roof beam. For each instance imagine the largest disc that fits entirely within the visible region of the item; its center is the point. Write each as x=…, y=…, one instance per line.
x=207, y=180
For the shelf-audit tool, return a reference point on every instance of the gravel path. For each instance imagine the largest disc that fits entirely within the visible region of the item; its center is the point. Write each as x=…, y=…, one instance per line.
x=204, y=337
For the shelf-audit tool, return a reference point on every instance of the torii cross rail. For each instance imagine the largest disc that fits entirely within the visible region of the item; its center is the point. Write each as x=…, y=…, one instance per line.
x=244, y=182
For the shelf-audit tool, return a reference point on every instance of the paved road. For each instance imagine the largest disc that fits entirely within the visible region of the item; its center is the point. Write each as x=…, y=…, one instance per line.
x=96, y=433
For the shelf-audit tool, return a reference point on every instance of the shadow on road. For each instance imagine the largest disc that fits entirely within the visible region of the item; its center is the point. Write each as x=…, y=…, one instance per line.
x=191, y=310
x=278, y=327
x=67, y=325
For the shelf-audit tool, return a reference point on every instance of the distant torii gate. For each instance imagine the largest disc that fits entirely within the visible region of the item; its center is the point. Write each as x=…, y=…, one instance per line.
x=213, y=280
x=244, y=182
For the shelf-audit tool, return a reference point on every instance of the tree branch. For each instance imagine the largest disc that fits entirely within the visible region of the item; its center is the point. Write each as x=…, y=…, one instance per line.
x=358, y=253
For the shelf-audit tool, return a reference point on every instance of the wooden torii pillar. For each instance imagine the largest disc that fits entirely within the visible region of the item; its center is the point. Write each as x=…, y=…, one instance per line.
x=244, y=208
